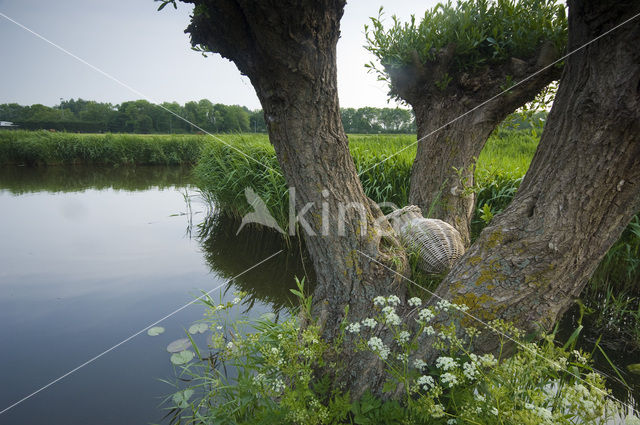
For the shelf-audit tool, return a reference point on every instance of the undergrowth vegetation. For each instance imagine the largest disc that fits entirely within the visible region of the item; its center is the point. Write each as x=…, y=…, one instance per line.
x=260, y=371
x=612, y=295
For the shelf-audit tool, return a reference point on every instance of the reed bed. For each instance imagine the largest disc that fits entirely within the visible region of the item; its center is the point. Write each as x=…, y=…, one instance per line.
x=21, y=147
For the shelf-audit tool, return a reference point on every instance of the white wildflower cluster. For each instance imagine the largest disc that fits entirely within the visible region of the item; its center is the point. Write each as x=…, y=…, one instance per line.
x=354, y=328
x=370, y=323
x=452, y=421
x=428, y=330
x=426, y=382
x=437, y=411
x=577, y=396
x=544, y=414
x=376, y=345
x=419, y=364
x=470, y=370
x=403, y=357
x=278, y=385
x=425, y=315
x=443, y=305
x=449, y=379
x=379, y=301
x=487, y=360
x=414, y=302
x=446, y=363
x=393, y=300
x=390, y=316
x=403, y=337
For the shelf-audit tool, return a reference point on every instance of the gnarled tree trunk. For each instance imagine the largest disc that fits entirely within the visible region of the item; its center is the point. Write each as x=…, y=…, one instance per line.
x=288, y=50
x=454, y=124
x=580, y=192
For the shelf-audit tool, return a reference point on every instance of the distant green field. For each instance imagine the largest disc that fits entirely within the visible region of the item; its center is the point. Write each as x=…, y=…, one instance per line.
x=54, y=148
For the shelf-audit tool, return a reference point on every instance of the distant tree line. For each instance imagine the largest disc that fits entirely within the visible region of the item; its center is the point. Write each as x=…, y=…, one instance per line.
x=141, y=116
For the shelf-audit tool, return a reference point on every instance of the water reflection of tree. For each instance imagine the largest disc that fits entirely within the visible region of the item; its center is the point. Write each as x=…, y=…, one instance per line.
x=229, y=254
x=19, y=180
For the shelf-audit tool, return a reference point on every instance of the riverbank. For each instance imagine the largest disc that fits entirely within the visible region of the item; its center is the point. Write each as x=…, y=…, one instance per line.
x=223, y=170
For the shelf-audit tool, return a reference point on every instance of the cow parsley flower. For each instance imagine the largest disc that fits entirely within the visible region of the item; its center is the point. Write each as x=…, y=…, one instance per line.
x=446, y=363
x=354, y=328
x=470, y=371
x=488, y=360
x=414, y=302
x=370, y=323
x=379, y=301
x=443, y=305
x=426, y=382
x=449, y=378
x=393, y=300
x=437, y=411
x=392, y=319
x=403, y=337
x=425, y=315
x=376, y=345
x=419, y=364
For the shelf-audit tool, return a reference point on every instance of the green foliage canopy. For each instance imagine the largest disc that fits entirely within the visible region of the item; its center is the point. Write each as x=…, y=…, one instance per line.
x=474, y=32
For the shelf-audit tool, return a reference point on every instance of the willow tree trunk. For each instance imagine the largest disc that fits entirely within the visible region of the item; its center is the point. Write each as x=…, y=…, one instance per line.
x=288, y=50
x=581, y=190
x=454, y=124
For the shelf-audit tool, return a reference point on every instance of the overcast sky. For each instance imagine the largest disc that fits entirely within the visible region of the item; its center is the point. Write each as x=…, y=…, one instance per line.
x=149, y=51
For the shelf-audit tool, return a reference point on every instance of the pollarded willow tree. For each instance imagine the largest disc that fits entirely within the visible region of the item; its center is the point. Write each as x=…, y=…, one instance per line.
x=457, y=58
x=581, y=190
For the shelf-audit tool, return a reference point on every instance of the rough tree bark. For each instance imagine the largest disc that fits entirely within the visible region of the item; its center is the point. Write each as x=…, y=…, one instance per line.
x=447, y=150
x=582, y=188
x=288, y=50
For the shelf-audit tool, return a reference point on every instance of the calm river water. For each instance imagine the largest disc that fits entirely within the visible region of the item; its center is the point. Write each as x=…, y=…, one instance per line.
x=90, y=256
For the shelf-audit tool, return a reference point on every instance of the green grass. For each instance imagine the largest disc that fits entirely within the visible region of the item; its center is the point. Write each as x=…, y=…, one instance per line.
x=612, y=293
x=23, y=147
x=223, y=173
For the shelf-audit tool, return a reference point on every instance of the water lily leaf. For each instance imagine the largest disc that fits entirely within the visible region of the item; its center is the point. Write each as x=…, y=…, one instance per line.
x=198, y=328
x=155, y=331
x=181, y=398
x=179, y=345
x=183, y=357
x=634, y=368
